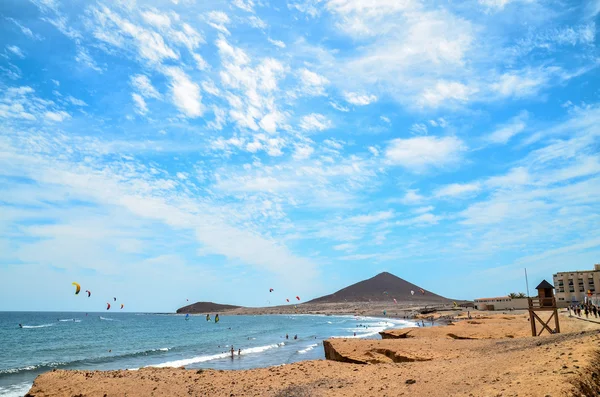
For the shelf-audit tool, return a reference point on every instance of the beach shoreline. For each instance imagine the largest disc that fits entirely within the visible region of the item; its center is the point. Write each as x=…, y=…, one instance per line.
x=490, y=354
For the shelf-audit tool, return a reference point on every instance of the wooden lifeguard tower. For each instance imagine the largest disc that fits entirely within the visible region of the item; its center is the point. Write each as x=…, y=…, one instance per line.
x=545, y=301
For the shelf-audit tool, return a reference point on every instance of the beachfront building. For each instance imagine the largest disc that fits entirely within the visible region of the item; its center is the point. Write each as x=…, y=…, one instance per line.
x=501, y=303
x=577, y=286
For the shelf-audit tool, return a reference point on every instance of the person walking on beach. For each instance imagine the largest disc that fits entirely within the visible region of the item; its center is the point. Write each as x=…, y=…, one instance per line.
x=232, y=351
x=586, y=311
x=595, y=310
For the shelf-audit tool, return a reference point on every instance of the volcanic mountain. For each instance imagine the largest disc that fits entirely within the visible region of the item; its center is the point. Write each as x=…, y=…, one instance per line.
x=382, y=287
x=205, y=308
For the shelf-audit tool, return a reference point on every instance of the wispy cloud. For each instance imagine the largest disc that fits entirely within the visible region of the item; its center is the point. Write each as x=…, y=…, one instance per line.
x=421, y=153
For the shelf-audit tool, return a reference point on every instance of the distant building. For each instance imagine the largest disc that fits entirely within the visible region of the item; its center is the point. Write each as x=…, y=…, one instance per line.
x=501, y=303
x=577, y=286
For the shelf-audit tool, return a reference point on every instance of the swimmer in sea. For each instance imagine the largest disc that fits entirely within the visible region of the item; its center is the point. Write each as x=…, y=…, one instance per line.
x=20, y=325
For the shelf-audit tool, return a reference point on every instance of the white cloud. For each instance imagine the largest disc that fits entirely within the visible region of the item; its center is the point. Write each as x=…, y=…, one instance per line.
x=519, y=84
x=276, y=43
x=251, y=91
x=418, y=129
x=220, y=119
x=445, y=92
x=498, y=5
x=140, y=104
x=270, y=122
x=422, y=210
x=143, y=85
x=185, y=93
x=256, y=22
x=344, y=247
x=201, y=64
x=246, y=5
x=426, y=219
x=415, y=54
x=161, y=21
x=423, y=152
x=15, y=51
x=359, y=99
x=209, y=87
x=84, y=57
x=188, y=36
x=374, y=151
x=385, y=119
x=458, y=190
x=302, y=152
x=339, y=107
x=515, y=177
x=312, y=83
x=412, y=197
x=119, y=32
x=76, y=101
x=57, y=116
x=442, y=123
x=515, y=126
x=372, y=218
x=218, y=20
x=315, y=122
x=24, y=29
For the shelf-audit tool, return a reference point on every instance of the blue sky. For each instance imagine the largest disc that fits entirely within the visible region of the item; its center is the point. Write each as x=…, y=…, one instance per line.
x=160, y=151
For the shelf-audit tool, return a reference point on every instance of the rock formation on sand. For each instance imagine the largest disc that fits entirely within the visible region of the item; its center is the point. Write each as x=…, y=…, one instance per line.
x=382, y=287
x=205, y=307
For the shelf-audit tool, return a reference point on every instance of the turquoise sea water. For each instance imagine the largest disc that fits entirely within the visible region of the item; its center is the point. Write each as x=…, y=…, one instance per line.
x=106, y=341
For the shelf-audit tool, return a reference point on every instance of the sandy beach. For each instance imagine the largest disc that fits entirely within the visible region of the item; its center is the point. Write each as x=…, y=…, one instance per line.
x=491, y=354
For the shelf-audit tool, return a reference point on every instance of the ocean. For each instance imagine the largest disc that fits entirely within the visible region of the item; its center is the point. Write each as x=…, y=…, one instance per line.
x=107, y=341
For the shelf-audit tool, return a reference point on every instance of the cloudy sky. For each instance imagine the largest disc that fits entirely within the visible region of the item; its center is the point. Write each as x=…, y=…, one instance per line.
x=167, y=150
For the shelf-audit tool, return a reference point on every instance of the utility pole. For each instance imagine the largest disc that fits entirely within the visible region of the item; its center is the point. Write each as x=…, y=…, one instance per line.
x=526, y=282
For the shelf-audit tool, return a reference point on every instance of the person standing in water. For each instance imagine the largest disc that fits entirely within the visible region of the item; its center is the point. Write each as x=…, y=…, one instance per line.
x=239, y=352
x=232, y=352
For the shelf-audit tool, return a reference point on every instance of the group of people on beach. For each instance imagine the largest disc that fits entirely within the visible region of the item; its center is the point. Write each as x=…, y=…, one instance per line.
x=587, y=309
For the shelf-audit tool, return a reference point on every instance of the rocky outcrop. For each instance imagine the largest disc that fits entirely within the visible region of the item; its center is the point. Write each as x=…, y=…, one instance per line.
x=396, y=334
x=332, y=354
x=370, y=352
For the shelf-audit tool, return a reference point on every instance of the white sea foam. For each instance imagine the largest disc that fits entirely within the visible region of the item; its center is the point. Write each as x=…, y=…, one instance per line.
x=38, y=326
x=201, y=359
x=67, y=319
x=309, y=348
x=107, y=319
x=17, y=390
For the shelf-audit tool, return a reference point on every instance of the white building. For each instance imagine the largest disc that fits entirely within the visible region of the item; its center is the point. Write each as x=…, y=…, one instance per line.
x=577, y=286
x=501, y=303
